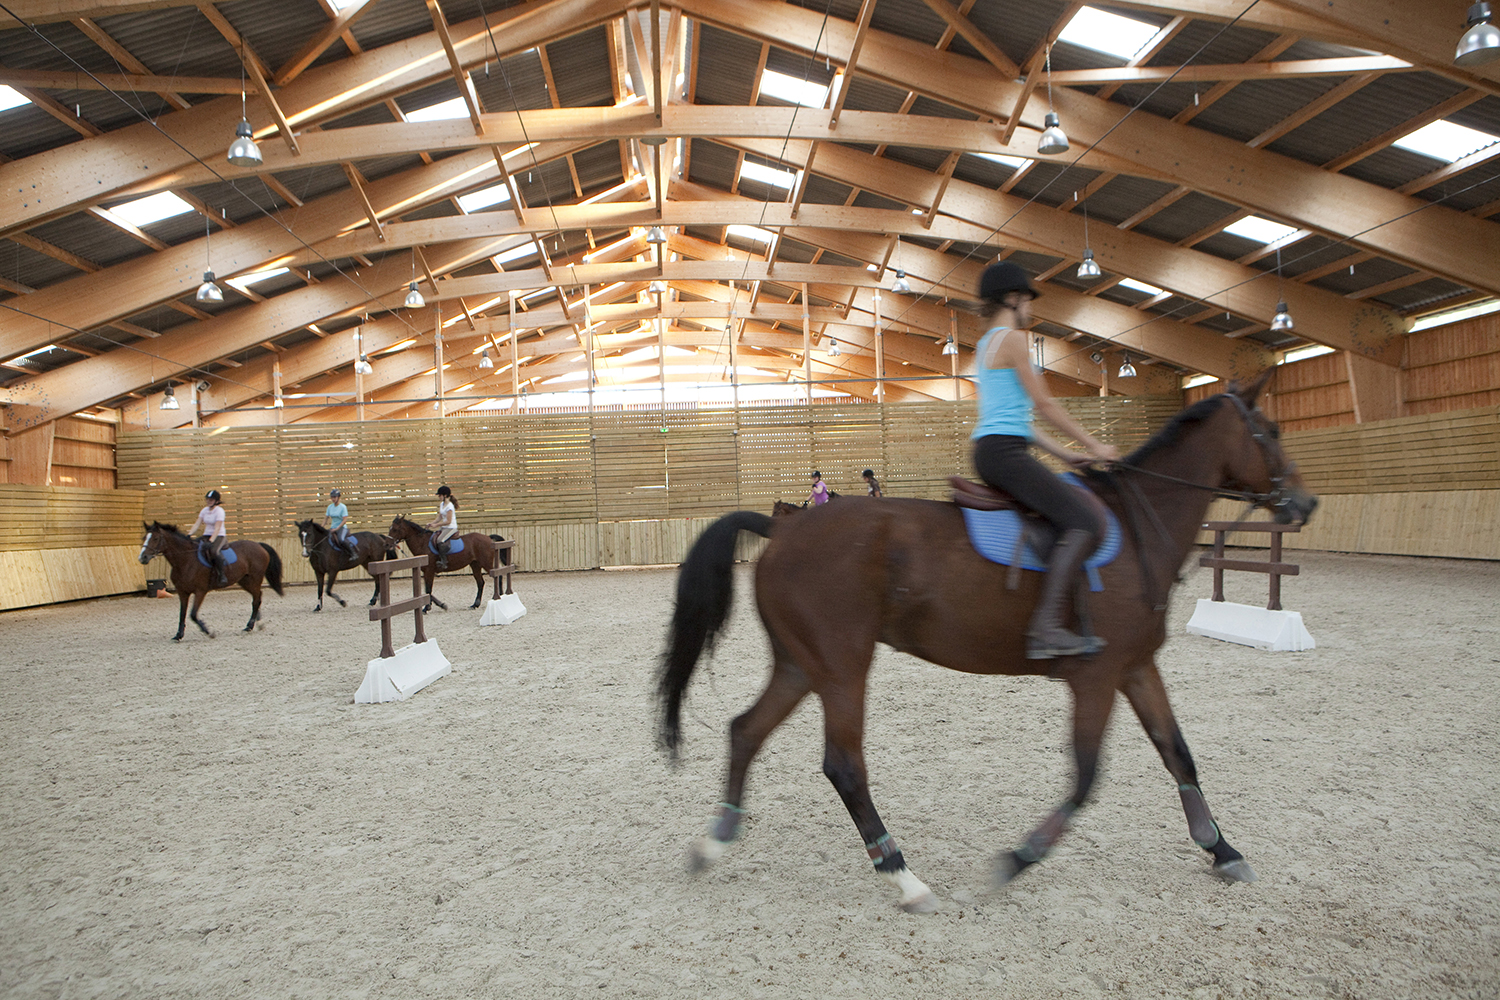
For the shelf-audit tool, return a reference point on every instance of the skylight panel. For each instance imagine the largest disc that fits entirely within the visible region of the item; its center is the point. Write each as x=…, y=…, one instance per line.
x=255, y=277
x=793, y=90
x=755, y=233
x=10, y=99
x=767, y=175
x=515, y=253
x=1303, y=353
x=1443, y=140
x=437, y=112
x=1121, y=37
x=1193, y=381
x=1253, y=227
x=152, y=208
x=496, y=194
x=1139, y=286
x=1014, y=162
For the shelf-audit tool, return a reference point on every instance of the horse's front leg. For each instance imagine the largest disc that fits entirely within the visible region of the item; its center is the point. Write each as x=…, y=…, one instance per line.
x=319, y=574
x=182, y=601
x=1148, y=696
x=478, y=586
x=254, y=603
x=427, y=574
x=198, y=603
x=1093, y=699
x=375, y=594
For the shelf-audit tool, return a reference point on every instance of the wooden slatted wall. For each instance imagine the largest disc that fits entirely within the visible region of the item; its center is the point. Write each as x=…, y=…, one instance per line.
x=65, y=544
x=576, y=491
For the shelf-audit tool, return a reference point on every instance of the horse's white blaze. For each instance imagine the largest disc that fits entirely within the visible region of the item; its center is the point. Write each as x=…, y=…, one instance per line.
x=915, y=896
x=145, y=545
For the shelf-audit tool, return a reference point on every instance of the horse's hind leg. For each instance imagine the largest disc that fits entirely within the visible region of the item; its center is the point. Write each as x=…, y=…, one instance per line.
x=844, y=766
x=254, y=592
x=786, y=688
x=478, y=584
x=1148, y=696
x=375, y=594
x=319, y=574
x=182, y=600
x=198, y=603
x=332, y=577
x=1093, y=699
x=427, y=575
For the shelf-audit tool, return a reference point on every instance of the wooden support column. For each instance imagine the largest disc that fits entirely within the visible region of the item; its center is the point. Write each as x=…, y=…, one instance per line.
x=277, y=402
x=437, y=356
x=879, y=350
x=1375, y=389
x=515, y=361
x=806, y=344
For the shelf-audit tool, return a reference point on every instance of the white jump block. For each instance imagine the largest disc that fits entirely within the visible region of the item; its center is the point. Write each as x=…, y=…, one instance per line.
x=397, y=678
x=1248, y=626
x=502, y=610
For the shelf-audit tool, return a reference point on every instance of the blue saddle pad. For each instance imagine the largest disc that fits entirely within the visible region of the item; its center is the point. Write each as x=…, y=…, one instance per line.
x=227, y=554
x=994, y=534
x=455, y=545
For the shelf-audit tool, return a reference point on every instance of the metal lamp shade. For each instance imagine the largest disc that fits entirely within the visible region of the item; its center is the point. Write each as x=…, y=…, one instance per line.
x=414, y=298
x=1481, y=43
x=1089, y=269
x=484, y=359
x=243, y=152
x=949, y=347
x=169, y=400
x=1283, y=319
x=656, y=235
x=209, y=291
x=902, y=286
x=1053, y=139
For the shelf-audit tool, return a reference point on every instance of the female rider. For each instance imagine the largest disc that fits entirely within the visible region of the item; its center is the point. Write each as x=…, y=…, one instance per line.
x=1009, y=389
x=445, y=524
x=211, y=517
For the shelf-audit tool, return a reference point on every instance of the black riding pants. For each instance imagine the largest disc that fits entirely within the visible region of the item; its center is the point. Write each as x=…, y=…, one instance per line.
x=1004, y=462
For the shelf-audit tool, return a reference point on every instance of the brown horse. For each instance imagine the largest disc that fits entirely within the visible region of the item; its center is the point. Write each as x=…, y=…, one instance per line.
x=781, y=508
x=255, y=561
x=478, y=554
x=906, y=575
x=330, y=559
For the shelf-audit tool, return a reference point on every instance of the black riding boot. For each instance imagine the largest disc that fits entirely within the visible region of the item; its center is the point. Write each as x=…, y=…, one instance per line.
x=442, y=554
x=1047, y=637
x=221, y=573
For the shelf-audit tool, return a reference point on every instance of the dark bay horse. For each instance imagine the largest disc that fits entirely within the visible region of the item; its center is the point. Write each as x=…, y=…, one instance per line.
x=478, y=554
x=331, y=560
x=834, y=581
x=255, y=562
x=781, y=508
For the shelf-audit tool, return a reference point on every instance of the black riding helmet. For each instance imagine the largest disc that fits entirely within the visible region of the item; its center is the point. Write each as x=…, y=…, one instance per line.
x=444, y=491
x=335, y=493
x=213, y=496
x=1001, y=278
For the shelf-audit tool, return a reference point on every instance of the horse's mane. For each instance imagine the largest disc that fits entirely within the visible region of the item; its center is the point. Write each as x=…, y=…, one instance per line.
x=1173, y=431
x=169, y=528
x=310, y=524
x=413, y=525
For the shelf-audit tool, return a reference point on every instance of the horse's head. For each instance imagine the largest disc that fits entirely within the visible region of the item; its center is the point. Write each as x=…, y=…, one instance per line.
x=155, y=542
x=308, y=531
x=402, y=529
x=1254, y=461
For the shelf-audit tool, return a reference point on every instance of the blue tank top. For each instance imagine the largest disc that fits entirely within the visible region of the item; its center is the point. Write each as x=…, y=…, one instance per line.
x=1004, y=406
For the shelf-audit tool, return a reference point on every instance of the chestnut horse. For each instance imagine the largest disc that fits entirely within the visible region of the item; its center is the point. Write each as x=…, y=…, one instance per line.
x=254, y=562
x=834, y=581
x=478, y=554
x=330, y=559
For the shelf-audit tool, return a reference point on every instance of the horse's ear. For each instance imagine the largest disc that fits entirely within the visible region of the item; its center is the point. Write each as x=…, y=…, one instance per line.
x=1251, y=391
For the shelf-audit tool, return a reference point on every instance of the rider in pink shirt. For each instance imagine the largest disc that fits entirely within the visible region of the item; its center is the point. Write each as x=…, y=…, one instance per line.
x=819, y=495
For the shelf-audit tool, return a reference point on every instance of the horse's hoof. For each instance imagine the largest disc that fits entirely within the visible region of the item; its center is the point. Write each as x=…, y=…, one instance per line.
x=925, y=903
x=704, y=852
x=1238, y=870
x=1007, y=866
x=318, y=608
x=177, y=638
x=341, y=601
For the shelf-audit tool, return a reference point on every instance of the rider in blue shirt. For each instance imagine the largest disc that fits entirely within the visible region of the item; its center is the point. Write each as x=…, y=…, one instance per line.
x=336, y=519
x=1009, y=389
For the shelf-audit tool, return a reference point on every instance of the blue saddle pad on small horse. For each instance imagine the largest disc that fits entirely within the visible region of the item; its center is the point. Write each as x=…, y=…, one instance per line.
x=994, y=535
x=226, y=553
x=455, y=545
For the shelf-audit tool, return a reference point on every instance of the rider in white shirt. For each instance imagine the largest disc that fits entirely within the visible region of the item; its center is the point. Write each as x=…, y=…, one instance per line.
x=211, y=518
x=445, y=524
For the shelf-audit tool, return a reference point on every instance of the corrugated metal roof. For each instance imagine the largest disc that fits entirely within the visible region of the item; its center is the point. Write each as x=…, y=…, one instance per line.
x=1123, y=197
x=1017, y=28
x=586, y=59
x=726, y=66
x=871, y=95
x=909, y=18
x=1184, y=217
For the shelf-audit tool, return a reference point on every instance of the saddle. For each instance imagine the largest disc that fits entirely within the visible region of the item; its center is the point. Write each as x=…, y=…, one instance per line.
x=226, y=553
x=1004, y=531
x=455, y=545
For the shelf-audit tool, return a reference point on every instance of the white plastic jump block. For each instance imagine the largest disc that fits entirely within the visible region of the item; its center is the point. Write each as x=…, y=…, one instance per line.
x=397, y=678
x=1248, y=626
x=502, y=610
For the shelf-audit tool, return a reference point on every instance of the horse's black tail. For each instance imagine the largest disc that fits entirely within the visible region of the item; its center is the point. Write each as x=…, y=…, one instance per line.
x=273, y=570
x=705, y=593
x=497, y=538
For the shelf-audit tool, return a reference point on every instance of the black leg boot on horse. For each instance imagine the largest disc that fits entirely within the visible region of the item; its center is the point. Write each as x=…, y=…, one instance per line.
x=1048, y=637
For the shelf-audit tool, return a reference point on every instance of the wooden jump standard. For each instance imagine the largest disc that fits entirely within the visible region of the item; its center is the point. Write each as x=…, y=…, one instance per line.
x=385, y=610
x=503, y=567
x=1275, y=567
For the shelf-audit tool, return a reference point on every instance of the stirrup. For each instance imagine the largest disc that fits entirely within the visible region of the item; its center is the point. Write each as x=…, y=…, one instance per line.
x=1067, y=644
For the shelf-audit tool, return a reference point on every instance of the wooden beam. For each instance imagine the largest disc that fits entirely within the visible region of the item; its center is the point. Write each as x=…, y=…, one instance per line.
x=981, y=42
x=460, y=75
x=861, y=28
x=127, y=61
x=319, y=43
x=1286, y=70
x=357, y=183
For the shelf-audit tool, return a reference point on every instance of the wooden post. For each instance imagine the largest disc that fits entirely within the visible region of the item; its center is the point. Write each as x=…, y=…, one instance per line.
x=879, y=353
x=1274, y=568
x=503, y=568
x=385, y=610
x=806, y=345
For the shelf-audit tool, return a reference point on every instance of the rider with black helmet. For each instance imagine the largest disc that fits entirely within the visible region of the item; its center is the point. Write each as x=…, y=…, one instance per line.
x=211, y=517
x=1009, y=388
x=336, y=519
x=445, y=524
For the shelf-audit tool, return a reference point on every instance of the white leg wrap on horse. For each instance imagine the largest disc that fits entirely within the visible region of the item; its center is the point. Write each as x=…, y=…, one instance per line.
x=708, y=850
x=915, y=896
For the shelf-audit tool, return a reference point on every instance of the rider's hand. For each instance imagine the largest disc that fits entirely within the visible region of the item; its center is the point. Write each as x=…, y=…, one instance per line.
x=1106, y=453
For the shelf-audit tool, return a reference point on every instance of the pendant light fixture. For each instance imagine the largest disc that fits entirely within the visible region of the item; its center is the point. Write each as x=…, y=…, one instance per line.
x=901, y=286
x=414, y=298
x=484, y=359
x=362, y=366
x=208, y=291
x=1481, y=43
x=1127, y=370
x=1053, y=139
x=949, y=347
x=657, y=287
x=1282, y=321
x=243, y=152
x=833, y=347
x=655, y=236
x=1089, y=269
x=169, y=399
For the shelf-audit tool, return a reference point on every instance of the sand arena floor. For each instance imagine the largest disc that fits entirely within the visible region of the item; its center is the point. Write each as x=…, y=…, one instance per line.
x=217, y=819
